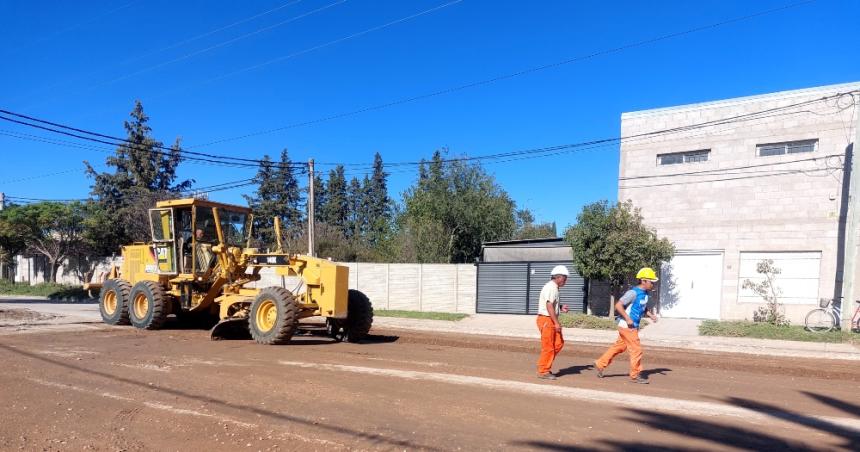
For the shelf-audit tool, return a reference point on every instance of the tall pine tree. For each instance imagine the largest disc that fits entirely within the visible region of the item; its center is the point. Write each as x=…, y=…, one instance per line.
x=335, y=209
x=378, y=203
x=143, y=172
x=277, y=195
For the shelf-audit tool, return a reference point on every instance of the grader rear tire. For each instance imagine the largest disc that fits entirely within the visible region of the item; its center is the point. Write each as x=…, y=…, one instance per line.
x=359, y=317
x=148, y=307
x=274, y=316
x=113, y=302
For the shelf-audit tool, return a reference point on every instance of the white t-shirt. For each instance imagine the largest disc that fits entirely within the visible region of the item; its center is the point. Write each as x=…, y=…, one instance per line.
x=548, y=293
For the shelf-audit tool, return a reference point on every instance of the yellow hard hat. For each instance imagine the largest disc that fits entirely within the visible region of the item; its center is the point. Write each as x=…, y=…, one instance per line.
x=647, y=273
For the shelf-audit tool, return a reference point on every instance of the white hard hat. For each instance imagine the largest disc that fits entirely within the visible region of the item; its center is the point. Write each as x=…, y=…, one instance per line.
x=559, y=270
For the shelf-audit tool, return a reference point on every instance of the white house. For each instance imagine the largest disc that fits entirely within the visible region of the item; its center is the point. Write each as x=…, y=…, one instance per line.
x=736, y=181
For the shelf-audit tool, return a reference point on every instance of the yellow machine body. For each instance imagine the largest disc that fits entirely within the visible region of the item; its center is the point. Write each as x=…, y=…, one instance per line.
x=199, y=260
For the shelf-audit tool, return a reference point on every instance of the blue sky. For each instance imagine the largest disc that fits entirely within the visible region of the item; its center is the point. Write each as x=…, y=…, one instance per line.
x=84, y=64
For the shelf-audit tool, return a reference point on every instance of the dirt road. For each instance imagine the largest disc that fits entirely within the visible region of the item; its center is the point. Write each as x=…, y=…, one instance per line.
x=115, y=388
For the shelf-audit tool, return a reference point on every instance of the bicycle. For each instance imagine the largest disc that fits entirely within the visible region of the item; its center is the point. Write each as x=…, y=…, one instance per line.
x=827, y=317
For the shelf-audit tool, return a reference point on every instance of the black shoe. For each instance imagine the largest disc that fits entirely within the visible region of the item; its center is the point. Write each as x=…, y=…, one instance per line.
x=547, y=376
x=639, y=380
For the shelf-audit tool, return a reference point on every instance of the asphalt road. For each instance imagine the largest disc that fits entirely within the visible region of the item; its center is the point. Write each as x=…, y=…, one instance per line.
x=116, y=388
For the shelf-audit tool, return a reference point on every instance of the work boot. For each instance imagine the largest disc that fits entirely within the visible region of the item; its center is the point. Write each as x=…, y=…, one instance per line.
x=639, y=380
x=547, y=376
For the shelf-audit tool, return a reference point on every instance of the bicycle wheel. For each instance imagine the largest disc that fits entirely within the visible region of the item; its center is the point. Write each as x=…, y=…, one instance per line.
x=819, y=321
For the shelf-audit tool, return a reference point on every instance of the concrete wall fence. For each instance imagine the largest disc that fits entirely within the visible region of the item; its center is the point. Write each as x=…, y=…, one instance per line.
x=410, y=287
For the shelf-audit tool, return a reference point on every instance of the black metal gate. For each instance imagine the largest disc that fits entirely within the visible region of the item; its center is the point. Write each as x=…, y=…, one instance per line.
x=514, y=287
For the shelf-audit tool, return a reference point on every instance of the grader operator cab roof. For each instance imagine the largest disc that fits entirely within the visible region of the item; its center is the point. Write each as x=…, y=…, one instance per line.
x=188, y=202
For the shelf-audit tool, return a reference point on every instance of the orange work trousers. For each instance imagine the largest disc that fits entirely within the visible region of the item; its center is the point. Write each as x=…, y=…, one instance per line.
x=551, y=343
x=628, y=339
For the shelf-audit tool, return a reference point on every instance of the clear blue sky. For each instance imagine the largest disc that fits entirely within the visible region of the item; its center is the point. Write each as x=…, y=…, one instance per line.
x=84, y=63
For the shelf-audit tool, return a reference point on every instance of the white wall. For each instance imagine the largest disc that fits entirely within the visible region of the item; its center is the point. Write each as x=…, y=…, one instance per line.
x=752, y=209
x=409, y=287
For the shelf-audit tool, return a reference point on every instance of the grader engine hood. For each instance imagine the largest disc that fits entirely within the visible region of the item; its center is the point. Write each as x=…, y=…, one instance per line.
x=327, y=283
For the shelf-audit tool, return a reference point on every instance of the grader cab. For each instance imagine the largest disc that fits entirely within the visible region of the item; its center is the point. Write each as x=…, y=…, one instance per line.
x=200, y=265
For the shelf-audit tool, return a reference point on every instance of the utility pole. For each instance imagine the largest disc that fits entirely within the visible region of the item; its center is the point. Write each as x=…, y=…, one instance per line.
x=851, y=230
x=2, y=200
x=311, y=208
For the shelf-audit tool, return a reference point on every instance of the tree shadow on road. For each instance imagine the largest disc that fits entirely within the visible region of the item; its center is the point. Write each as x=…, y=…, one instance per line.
x=753, y=438
x=851, y=436
x=842, y=405
x=371, y=438
x=721, y=436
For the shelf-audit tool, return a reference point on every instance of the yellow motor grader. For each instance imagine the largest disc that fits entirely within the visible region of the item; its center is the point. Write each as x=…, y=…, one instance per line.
x=200, y=265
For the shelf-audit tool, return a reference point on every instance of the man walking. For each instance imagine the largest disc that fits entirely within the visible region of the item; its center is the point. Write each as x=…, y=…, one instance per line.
x=630, y=308
x=551, y=340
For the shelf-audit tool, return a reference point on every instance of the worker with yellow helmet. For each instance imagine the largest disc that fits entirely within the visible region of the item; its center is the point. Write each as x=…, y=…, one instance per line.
x=630, y=308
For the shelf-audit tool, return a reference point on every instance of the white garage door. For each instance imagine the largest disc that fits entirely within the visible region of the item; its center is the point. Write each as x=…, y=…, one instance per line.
x=692, y=286
x=797, y=280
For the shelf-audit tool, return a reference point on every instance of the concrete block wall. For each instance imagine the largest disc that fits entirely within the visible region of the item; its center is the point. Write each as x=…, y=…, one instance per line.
x=771, y=205
x=410, y=287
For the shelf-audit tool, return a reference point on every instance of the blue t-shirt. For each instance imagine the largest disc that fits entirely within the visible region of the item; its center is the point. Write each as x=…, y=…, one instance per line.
x=634, y=300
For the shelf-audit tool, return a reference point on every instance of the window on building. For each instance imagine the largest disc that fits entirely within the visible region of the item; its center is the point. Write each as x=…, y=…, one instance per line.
x=683, y=157
x=788, y=147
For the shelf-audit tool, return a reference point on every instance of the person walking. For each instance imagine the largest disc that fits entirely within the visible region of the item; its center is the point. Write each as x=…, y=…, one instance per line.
x=630, y=308
x=551, y=340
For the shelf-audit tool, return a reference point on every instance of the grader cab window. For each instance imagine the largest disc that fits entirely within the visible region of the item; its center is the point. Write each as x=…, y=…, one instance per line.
x=163, y=244
x=233, y=226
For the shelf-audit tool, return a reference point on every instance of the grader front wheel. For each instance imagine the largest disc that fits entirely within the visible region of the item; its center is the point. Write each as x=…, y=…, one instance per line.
x=274, y=316
x=148, y=307
x=113, y=302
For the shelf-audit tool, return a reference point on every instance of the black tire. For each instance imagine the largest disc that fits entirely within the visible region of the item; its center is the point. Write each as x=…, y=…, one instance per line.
x=113, y=302
x=274, y=316
x=148, y=307
x=819, y=321
x=359, y=316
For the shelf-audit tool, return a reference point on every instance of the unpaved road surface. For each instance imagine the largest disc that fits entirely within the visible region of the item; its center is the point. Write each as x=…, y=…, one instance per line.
x=116, y=388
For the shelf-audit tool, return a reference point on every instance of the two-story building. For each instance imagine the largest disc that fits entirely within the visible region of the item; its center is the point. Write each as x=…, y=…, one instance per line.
x=737, y=181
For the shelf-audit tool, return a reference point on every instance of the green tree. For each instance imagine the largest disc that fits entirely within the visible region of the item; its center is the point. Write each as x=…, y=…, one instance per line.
x=336, y=207
x=12, y=236
x=452, y=209
x=51, y=229
x=142, y=173
x=277, y=195
x=611, y=242
x=769, y=291
x=527, y=229
x=378, y=204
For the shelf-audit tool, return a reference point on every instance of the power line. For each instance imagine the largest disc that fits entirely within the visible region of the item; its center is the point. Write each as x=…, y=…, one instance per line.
x=116, y=141
x=221, y=44
x=72, y=27
x=554, y=150
x=331, y=43
x=510, y=75
x=174, y=45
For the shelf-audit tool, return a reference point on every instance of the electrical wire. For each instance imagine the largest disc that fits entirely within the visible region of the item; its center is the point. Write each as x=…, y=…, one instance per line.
x=510, y=75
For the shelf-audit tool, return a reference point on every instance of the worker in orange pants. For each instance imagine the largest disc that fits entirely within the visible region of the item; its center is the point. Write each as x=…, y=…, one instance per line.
x=551, y=340
x=630, y=308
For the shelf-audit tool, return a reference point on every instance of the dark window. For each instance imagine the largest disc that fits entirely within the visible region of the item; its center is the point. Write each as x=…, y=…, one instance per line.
x=683, y=157
x=788, y=147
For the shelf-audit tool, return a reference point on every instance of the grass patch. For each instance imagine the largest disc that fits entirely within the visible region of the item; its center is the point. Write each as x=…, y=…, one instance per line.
x=593, y=322
x=761, y=330
x=450, y=316
x=50, y=290
x=587, y=321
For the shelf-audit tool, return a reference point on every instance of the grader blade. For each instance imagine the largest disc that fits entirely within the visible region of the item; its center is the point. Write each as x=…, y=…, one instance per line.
x=236, y=328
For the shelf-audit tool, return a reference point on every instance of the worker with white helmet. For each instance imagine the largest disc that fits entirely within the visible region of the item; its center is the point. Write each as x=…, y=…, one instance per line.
x=549, y=308
x=631, y=307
